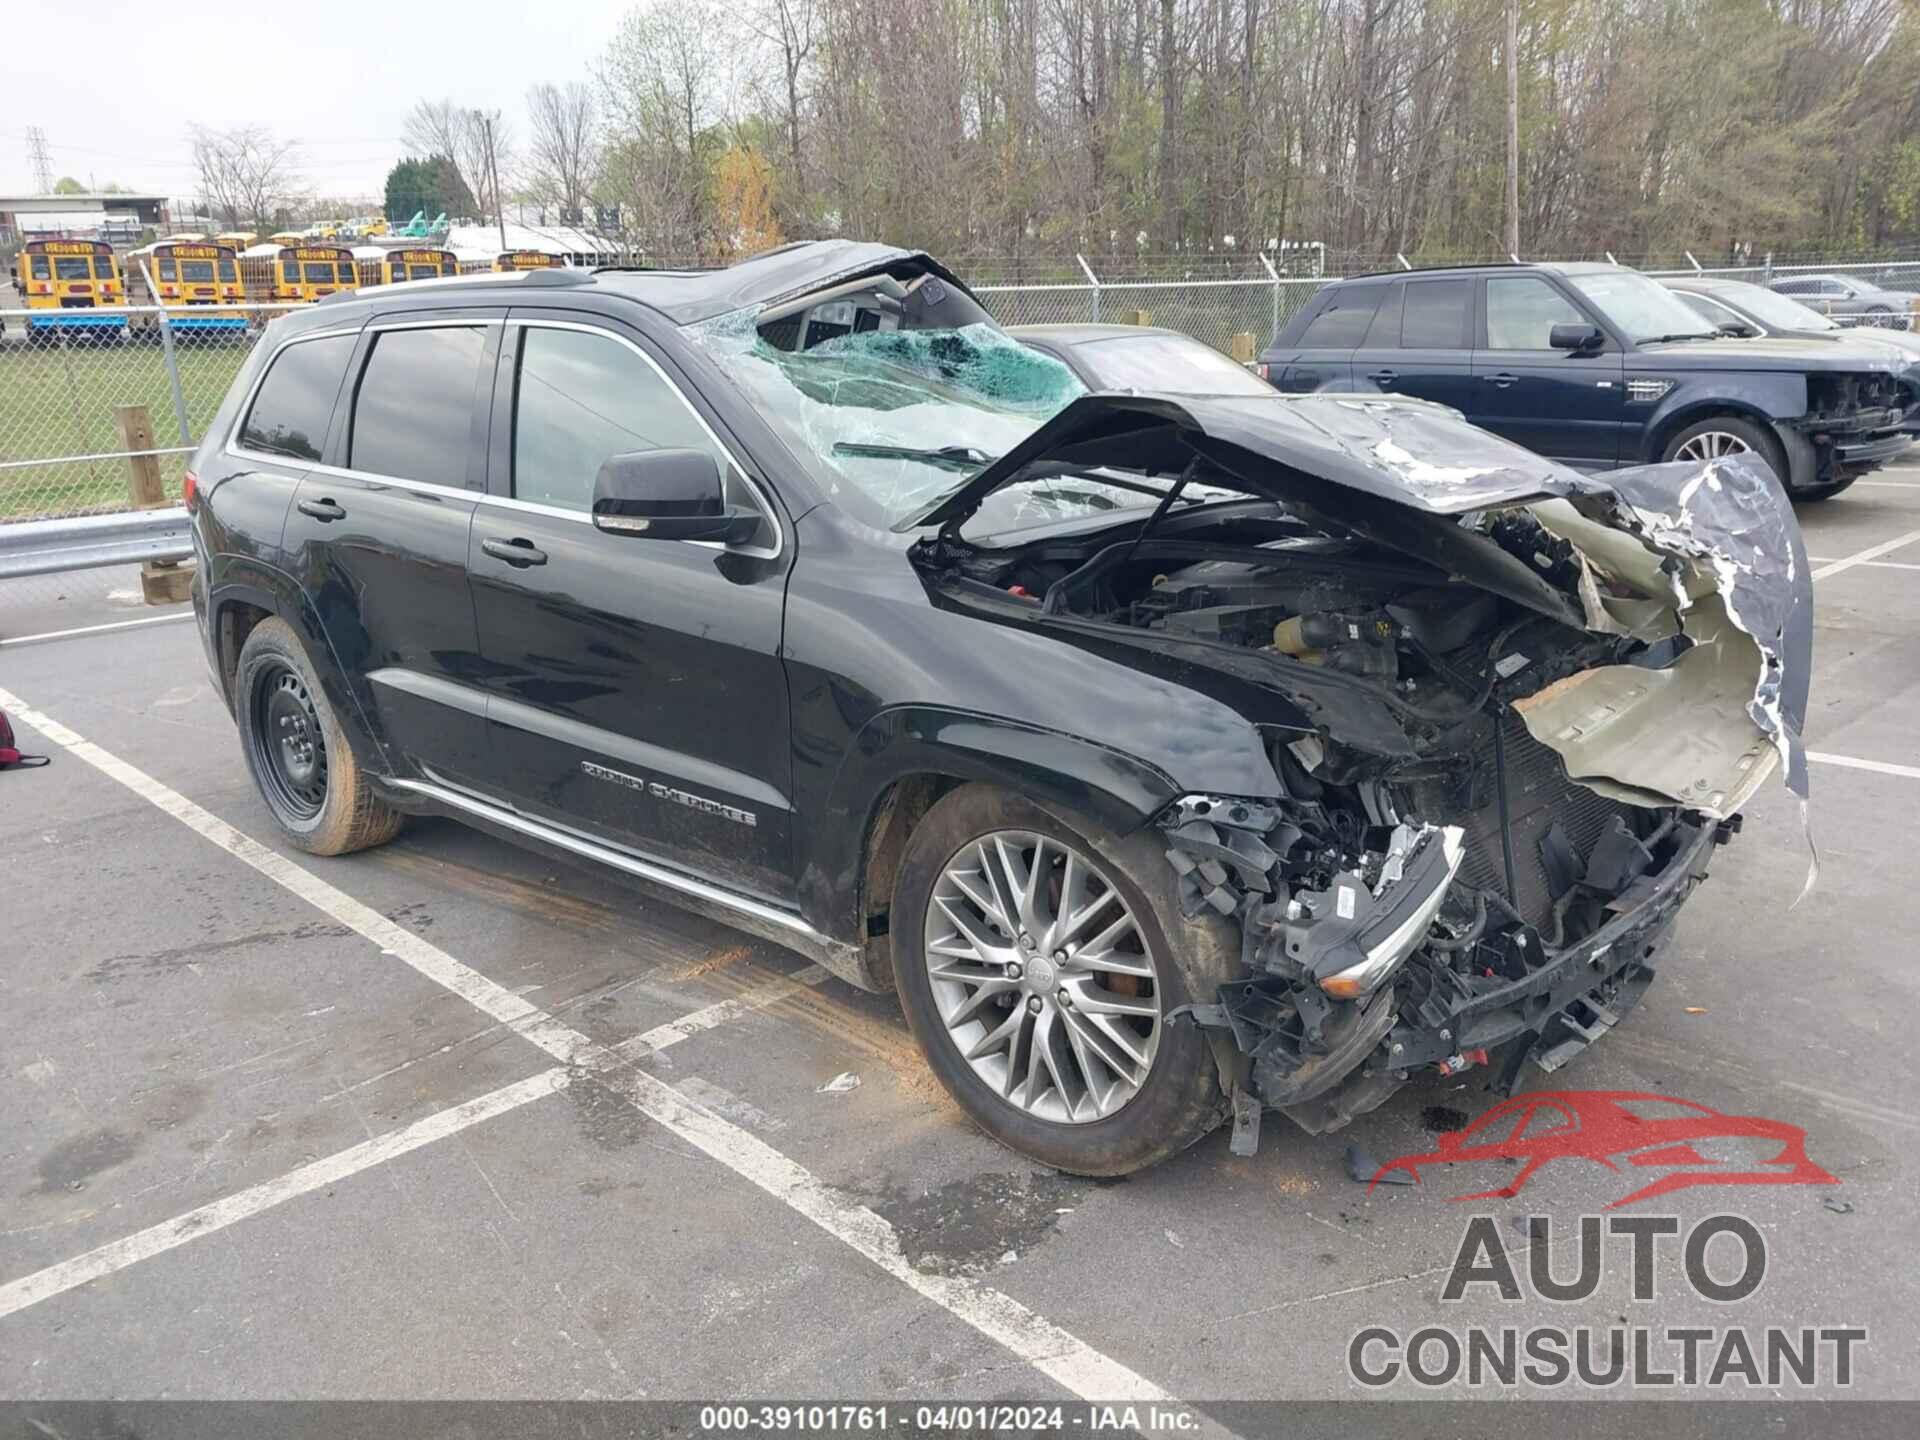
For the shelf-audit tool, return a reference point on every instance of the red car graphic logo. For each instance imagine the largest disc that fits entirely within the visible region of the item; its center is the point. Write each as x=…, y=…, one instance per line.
x=1693, y=1144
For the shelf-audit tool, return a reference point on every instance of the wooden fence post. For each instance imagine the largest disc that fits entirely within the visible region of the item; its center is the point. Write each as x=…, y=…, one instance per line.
x=145, y=489
x=1242, y=347
x=162, y=582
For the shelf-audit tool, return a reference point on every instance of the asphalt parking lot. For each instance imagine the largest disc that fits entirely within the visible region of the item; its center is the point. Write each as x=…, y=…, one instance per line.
x=446, y=1119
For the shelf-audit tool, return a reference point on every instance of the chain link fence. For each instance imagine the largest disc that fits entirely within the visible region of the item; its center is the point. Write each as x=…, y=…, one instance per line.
x=63, y=449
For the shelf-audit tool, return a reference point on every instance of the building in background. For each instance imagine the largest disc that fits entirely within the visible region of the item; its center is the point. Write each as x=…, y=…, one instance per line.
x=116, y=218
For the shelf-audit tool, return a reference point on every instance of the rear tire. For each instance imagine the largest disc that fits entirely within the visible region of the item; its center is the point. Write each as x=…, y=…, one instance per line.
x=1056, y=1105
x=300, y=760
x=1721, y=435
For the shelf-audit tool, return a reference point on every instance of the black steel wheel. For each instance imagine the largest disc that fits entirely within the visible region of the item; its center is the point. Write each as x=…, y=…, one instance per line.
x=301, y=762
x=286, y=729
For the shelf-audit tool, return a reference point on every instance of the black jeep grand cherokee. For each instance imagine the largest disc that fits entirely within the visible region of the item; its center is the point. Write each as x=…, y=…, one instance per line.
x=1173, y=756
x=1597, y=366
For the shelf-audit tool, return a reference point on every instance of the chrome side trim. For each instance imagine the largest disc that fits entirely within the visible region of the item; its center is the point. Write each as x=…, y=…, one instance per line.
x=603, y=855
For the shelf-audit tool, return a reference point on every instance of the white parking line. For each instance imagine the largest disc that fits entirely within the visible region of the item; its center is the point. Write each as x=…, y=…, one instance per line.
x=1871, y=553
x=96, y=629
x=1054, y=1352
x=1878, y=564
x=1879, y=767
x=158, y=1239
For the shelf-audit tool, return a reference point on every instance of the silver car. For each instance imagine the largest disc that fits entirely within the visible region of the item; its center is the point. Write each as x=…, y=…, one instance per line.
x=1852, y=301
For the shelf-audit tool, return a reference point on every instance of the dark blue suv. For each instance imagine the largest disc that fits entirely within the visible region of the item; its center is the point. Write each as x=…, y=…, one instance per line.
x=1597, y=367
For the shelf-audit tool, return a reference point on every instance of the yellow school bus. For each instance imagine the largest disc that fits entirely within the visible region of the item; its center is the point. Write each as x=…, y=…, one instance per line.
x=525, y=260
x=237, y=240
x=192, y=281
x=70, y=281
x=303, y=273
x=418, y=265
x=287, y=237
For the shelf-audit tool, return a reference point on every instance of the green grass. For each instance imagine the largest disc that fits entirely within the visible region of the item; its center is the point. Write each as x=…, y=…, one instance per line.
x=58, y=401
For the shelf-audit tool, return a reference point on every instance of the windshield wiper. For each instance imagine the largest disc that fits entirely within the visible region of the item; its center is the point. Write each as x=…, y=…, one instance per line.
x=947, y=457
x=1690, y=335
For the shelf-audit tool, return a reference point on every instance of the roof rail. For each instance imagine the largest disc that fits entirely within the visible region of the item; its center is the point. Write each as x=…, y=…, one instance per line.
x=563, y=277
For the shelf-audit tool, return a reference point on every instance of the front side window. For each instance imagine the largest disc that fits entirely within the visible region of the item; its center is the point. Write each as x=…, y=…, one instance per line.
x=413, y=409
x=290, y=271
x=581, y=398
x=229, y=272
x=1522, y=311
x=292, y=408
x=103, y=268
x=1435, y=315
x=167, y=269
x=40, y=268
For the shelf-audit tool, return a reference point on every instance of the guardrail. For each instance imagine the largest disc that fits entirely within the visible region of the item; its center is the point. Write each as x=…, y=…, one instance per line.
x=81, y=542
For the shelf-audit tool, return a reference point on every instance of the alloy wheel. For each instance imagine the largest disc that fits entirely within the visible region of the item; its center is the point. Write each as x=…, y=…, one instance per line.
x=1043, y=977
x=1712, y=445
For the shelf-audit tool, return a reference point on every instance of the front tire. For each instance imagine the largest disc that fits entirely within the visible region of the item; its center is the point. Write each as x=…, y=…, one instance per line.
x=1037, y=956
x=300, y=760
x=1719, y=436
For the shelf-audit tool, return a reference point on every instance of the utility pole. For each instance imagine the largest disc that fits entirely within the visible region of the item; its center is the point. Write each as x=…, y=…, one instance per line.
x=38, y=161
x=1513, y=127
x=493, y=176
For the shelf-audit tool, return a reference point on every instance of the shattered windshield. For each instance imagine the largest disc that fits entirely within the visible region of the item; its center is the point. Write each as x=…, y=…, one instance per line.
x=893, y=420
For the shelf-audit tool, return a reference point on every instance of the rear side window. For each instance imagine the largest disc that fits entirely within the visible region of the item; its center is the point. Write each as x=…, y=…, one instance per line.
x=1342, y=323
x=580, y=398
x=413, y=410
x=1436, y=312
x=294, y=404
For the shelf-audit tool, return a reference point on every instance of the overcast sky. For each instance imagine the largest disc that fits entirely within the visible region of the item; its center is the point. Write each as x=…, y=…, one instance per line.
x=112, y=114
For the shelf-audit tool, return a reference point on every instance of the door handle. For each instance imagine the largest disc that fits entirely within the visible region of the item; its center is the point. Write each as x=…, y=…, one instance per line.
x=516, y=552
x=323, y=510
x=1383, y=377
x=1503, y=379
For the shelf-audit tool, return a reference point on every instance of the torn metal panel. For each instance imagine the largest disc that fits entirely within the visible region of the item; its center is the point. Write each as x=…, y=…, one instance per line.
x=1744, y=592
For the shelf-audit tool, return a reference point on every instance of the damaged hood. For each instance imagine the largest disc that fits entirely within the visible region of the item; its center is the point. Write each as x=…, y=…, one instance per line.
x=1701, y=561
x=1411, y=453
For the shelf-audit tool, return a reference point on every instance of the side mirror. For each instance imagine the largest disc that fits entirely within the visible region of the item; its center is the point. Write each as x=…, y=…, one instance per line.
x=669, y=495
x=1577, y=337
x=1738, y=329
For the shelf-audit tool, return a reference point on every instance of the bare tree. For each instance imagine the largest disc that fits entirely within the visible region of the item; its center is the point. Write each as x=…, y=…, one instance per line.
x=667, y=84
x=562, y=148
x=245, y=175
x=443, y=127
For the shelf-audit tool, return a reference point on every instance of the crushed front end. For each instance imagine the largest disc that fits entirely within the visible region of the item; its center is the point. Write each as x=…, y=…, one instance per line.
x=1372, y=952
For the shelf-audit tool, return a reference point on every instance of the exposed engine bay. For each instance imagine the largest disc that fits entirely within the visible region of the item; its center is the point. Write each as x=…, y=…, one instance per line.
x=1511, y=739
